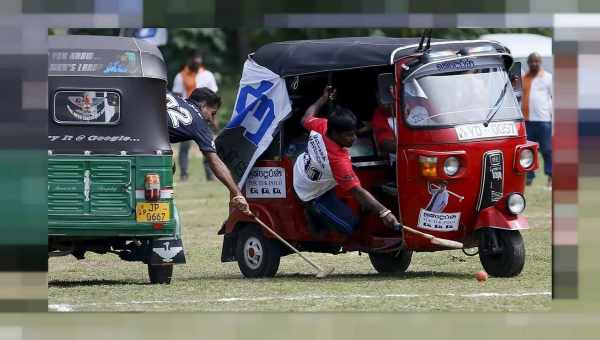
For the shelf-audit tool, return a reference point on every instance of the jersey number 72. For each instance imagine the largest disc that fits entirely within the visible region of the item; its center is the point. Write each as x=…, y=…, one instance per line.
x=178, y=113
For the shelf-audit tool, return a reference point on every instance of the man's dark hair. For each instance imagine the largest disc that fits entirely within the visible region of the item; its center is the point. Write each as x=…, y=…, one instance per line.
x=192, y=64
x=341, y=120
x=206, y=96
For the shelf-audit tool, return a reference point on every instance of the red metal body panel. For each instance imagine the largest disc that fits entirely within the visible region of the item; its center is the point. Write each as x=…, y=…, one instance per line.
x=413, y=193
x=496, y=217
x=286, y=215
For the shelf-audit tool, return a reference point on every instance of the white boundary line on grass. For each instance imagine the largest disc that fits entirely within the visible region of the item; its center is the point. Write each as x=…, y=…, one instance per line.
x=62, y=307
x=69, y=308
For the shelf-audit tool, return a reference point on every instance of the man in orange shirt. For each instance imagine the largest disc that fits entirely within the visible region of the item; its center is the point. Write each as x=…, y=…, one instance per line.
x=193, y=76
x=538, y=110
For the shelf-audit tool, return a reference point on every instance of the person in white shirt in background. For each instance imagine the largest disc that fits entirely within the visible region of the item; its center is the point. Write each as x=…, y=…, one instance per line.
x=193, y=75
x=538, y=111
x=204, y=78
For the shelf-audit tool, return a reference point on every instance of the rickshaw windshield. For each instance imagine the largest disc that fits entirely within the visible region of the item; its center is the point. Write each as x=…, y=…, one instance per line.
x=447, y=99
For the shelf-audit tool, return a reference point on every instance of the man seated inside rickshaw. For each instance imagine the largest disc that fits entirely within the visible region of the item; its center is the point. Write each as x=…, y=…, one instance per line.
x=189, y=119
x=384, y=129
x=326, y=166
x=384, y=118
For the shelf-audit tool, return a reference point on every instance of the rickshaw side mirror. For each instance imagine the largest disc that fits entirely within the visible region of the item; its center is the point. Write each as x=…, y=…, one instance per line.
x=384, y=82
x=514, y=75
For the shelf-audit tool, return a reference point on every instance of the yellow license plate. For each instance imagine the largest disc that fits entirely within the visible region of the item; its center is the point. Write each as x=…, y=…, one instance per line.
x=152, y=212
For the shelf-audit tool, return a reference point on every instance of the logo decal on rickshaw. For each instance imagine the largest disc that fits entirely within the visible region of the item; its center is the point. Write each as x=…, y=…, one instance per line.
x=432, y=217
x=492, y=180
x=126, y=63
x=456, y=65
x=168, y=252
x=254, y=115
x=87, y=107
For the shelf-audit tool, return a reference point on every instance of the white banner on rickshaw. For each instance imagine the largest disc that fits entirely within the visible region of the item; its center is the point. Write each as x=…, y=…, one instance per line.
x=262, y=103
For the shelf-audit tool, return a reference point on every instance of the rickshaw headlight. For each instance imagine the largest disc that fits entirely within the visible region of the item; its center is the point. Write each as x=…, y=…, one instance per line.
x=428, y=166
x=515, y=203
x=451, y=166
x=526, y=158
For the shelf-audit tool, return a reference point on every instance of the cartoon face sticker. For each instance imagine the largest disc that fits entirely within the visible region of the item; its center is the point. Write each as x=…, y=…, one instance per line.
x=85, y=107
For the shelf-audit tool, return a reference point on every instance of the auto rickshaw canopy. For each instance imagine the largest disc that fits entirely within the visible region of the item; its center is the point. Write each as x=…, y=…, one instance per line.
x=299, y=57
x=106, y=95
x=105, y=56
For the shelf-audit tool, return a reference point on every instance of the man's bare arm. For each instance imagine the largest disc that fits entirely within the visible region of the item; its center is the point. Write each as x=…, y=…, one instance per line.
x=316, y=106
x=369, y=203
x=222, y=173
x=366, y=200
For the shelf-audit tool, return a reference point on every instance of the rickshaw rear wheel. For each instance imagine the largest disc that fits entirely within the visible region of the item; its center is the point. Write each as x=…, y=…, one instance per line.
x=161, y=274
x=391, y=263
x=504, y=257
x=256, y=255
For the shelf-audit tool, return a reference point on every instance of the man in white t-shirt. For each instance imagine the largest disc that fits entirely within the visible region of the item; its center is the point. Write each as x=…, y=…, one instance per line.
x=193, y=75
x=204, y=78
x=538, y=111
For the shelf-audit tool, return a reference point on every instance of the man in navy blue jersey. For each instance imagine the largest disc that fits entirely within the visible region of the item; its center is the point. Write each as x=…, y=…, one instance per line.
x=189, y=119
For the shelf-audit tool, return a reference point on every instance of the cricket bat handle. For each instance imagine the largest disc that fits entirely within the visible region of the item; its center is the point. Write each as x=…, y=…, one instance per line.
x=414, y=231
x=435, y=240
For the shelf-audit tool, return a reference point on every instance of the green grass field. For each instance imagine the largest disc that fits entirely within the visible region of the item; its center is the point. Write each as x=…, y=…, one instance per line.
x=442, y=281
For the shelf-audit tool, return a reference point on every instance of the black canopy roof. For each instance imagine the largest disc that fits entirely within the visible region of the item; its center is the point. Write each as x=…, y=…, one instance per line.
x=104, y=56
x=298, y=57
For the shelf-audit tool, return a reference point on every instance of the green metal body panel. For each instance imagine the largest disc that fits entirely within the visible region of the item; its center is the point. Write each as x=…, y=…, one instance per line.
x=95, y=196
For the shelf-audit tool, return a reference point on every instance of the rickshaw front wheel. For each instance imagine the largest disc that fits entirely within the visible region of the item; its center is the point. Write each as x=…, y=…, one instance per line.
x=161, y=274
x=256, y=255
x=501, y=252
x=391, y=263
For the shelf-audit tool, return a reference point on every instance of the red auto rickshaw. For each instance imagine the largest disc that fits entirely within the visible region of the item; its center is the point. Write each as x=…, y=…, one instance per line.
x=460, y=163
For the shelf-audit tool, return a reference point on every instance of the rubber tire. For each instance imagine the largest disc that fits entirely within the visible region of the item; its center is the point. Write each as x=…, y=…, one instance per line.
x=269, y=263
x=511, y=261
x=387, y=263
x=160, y=274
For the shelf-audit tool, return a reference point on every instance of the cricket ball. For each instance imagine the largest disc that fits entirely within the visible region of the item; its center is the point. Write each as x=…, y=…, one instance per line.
x=481, y=276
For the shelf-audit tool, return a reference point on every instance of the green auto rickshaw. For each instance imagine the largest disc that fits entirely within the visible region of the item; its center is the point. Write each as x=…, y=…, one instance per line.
x=110, y=176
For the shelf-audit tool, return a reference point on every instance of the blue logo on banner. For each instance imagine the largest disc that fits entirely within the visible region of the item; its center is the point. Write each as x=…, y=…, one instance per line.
x=262, y=109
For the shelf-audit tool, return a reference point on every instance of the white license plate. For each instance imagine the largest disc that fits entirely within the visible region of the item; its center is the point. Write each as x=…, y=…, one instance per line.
x=478, y=131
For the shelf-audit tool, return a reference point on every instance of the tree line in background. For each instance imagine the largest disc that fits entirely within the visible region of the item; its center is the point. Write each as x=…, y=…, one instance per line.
x=225, y=49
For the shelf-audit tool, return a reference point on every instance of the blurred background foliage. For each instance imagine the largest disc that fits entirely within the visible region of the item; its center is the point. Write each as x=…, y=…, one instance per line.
x=225, y=49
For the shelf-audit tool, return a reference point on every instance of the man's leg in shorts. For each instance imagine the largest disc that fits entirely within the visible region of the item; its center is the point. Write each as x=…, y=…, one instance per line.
x=329, y=212
x=184, y=148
